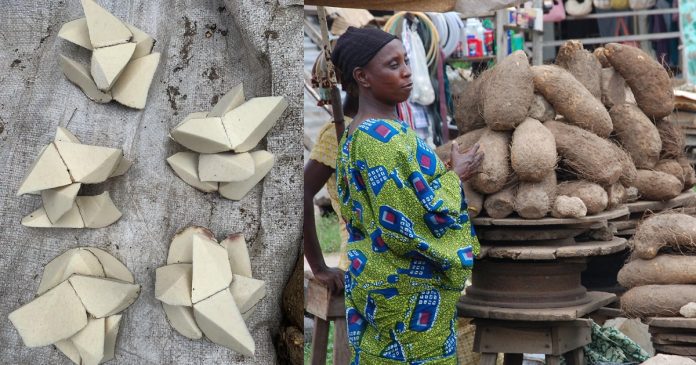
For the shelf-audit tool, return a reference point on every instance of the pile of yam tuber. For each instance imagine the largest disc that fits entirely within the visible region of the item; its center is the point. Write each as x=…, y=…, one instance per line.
x=566, y=140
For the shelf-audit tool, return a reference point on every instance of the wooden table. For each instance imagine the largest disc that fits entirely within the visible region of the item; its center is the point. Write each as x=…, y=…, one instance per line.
x=326, y=308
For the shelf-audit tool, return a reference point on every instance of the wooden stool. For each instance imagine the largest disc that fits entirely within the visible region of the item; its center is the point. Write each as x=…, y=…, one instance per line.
x=327, y=308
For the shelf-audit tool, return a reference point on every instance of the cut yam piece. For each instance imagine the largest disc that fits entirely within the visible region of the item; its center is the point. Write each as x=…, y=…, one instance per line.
x=220, y=320
x=64, y=135
x=90, y=341
x=39, y=219
x=47, y=172
x=173, y=284
x=52, y=317
x=143, y=42
x=113, y=268
x=204, y=135
x=73, y=261
x=238, y=254
x=112, y=325
x=122, y=167
x=132, y=86
x=69, y=350
x=225, y=167
x=89, y=164
x=249, y=122
x=229, y=101
x=104, y=297
x=181, y=319
x=80, y=76
x=108, y=63
x=181, y=248
x=247, y=292
x=211, y=269
x=236, y=190
x=104, y=28
x=76, y=32
x=58, y=201
x=98, y=211
x=185, y=165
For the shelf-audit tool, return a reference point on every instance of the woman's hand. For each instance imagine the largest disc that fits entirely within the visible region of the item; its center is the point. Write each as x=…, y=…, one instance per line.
x=465, y=164
x=332, y=277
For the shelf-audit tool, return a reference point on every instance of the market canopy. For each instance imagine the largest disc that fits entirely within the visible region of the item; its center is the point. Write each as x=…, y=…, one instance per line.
x=468, y=8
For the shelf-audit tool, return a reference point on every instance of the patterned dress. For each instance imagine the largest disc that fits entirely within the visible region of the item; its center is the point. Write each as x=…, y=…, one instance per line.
x=411, y=246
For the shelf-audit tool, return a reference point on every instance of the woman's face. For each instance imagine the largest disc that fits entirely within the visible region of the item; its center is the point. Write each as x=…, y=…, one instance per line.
x=388, y=74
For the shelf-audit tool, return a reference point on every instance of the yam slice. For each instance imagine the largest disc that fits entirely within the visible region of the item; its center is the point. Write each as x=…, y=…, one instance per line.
x=104, y=28
x=220, y=320
x=98, y=211
x=64, y=135
x=143, y=42
x=73, y=261
x=47, y=172
x=90, y=341
x=236, y=190
x=112, y=325
x=89, y=164
x=238, y=254
x=51, y=317
x=108, y=63
x=58, y=201
x=173, y=284
x=113, y=268
x=69, y=350
x=211, y=269
x=104, y=297
x=39, y=219
x=181, y=248
x=80, y=76
x=182, y=320
x=185, y=165
x=122, y=167
x=76, y=32
x=204, y=135
x=247, y=292
x=133, y=85
x=225, y=167
x=229, y=101
x=249, y=122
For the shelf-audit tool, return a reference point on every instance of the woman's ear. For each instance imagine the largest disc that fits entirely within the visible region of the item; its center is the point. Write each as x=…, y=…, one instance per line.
x=360, y=77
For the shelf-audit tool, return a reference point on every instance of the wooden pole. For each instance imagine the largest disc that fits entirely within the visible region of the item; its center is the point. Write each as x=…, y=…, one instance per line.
x=336, y=104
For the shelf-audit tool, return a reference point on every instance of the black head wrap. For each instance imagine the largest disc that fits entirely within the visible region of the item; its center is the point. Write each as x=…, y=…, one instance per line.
x=355, y=48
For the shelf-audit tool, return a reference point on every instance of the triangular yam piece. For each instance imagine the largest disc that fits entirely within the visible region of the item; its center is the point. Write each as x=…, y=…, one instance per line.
x=52, y=317
x=220, y=320
x=181, y=248
x=132, y=86
x=181, y=319
x=108, y=63
x=247, y=292
x=98, y=211
x=58, y=201
x=90, y=341
x=73, y=261
x=104, y=28
x=204, y=135
x=69, y=350
x=39, y=219
x=64, y=135
x=113, y=268
x=104, y=297
x=89, y=164
x=112, y=325
x=238, y=254
x=48, y=171
x=229, y=101
x=143, y=42
x=173, y=284
x=248, y=123
x=80, y=76
x=76, y=32
x=185, y=165
x=236, y=190
x=225, y=167
x=211, y=269
x=122, y=167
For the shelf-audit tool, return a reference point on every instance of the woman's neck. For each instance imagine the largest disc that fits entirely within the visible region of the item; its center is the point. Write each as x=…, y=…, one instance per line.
x=371, y=108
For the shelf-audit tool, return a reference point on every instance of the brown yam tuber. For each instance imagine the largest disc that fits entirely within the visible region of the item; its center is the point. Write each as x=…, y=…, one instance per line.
x=468, y=111
x=502, y=203
x=657, y=300
x=541, y=109
x=533, y=151
x=465, y=141
x=674, y=230
x=637, y=134
x=663, y=269
x=474, y=199
x=689, y=174
x=628, y=168
x=582, y=64
x=613, y=87
x=495, y=167
x=616, y=195
x=594, y=197
x=568, y=207
x=671, y=167
x=534, y=200
x=656, y=185
x=599, y=53
x=508, y=93
x=672, y=137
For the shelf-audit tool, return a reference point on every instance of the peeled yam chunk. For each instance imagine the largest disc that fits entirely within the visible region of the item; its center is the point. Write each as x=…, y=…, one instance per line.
x=249, y=122
x=143, y=42
x=674, y=230
x=592, y=195
x=222, y=323
x=47, y=172
x=80, y=76
x=181, y=248
x=236, y=190
x=181, y=318
x=226, y=167
x=133, y=85
x=568, y=207
x=104, y=28
x=112, y=325
x=64, y=135
x=89, y=164
x=51, y=317
x=495, y=167
x=112, y=267
x=247, y=292
x=76, y=32
x=204, y=135
x=637, y=134
x=39, y=219
x=211, y=269
x=238, y=254
x=108, y=63
x=90, y=341
x=104, y=297
x=229, y=101
x=657, y=185
x=173, y=284
x=98, y=211
x=121, y=168
x=58, y=201
x=185, y=165
x=533, y=151
x=73, y=261
x=69, y=350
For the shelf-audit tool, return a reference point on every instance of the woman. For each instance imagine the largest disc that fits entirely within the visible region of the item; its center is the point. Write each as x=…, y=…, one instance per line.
x=411, y=244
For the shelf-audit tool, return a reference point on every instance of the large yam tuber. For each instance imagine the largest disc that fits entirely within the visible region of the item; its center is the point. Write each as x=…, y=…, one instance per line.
x=468, y=110
x=663, y=269
x=465, y=141
x=672, y=137
x=628, y=168
x=648, y=79
x=616, y=195
x=582, y=64
x=571, y=99
x=535, y=200
x=637, y=134
x=599, y=53
x=502, y=203
x=613, y=87
x=656, y=185
x=689, y=174
x=541, y=109
x=568, y=207
x=593, y=195
x=533, y=151
x=671, y=167
x=474, y=199
x=674, y=230
x=657, y=300
x=495, y=167
x=508, y=93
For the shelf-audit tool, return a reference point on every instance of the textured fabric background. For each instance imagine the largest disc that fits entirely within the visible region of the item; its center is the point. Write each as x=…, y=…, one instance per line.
x=207, y=47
